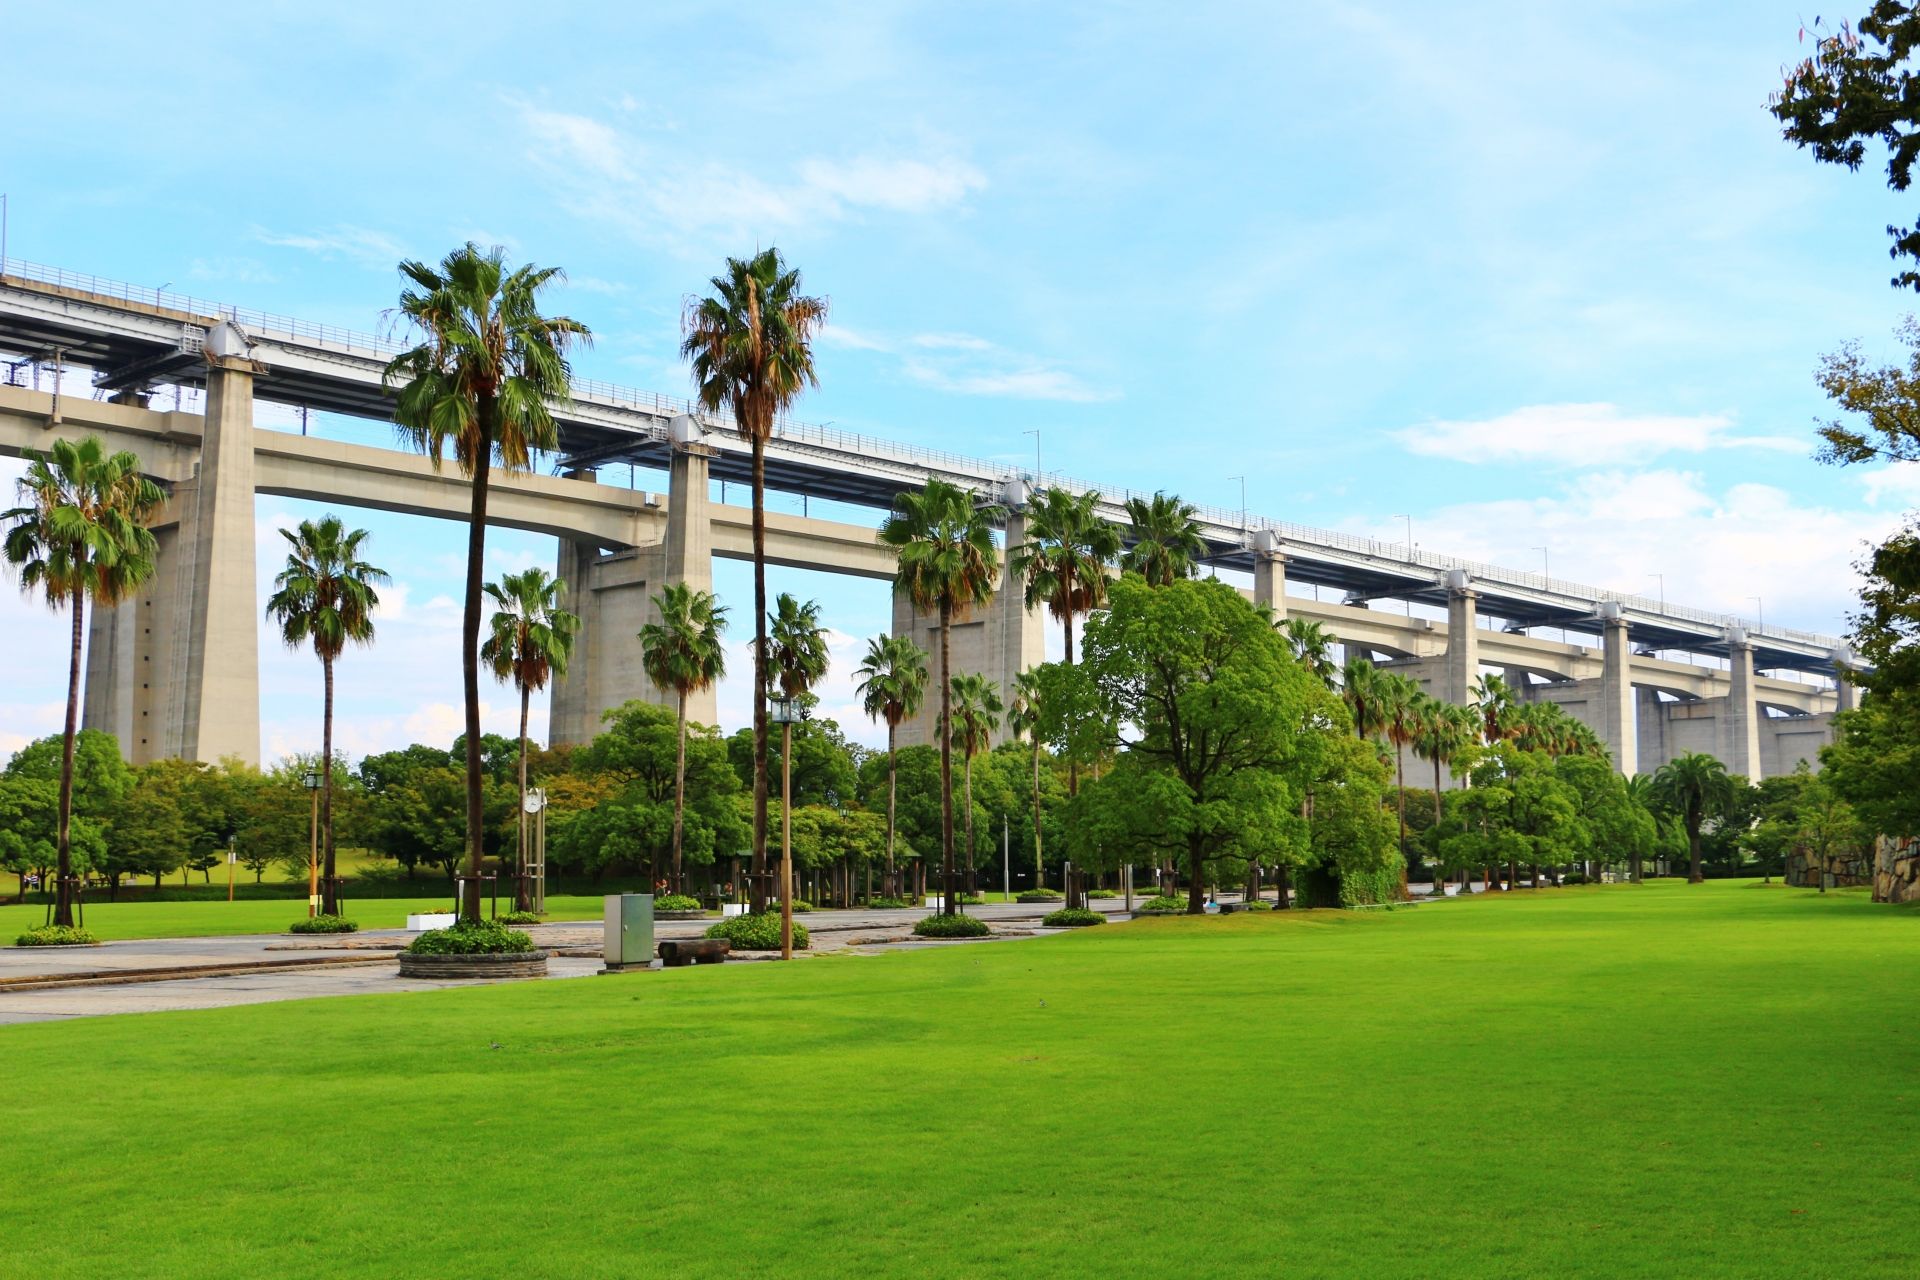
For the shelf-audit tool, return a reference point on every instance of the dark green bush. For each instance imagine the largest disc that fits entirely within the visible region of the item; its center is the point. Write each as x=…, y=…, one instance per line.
x=1039, y=895
x=1574, y=877
x=757, y=932
x=1072, y=918
x=1257, y=906
x=675, y=902
x=951, y=927
x=801, y=905
x=488, y=937
x=324, y=924
x=520, y=917
x=1102, y=893
x=55, y=935
x=1161, y=904
x=888, y=902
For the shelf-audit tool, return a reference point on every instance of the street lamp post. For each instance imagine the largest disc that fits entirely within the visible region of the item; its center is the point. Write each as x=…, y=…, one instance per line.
x=311, y=779
x=783, y=712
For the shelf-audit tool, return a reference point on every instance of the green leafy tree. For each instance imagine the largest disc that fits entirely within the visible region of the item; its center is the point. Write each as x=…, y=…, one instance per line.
x=750, y=345
x=639, y=750
x=481, y=380
x=1167, y=545
x=947, y=565
x=325, y=596
x=1618, y=823
x=1856, y=88
x=529, y=642
x=683, y=653
x=80, y=533
x=1024, y=719
x=1696, y=787
x=1229, y=727
x=797, y=658
x=1351, y=857
x=1518, y=812
x=892, y=680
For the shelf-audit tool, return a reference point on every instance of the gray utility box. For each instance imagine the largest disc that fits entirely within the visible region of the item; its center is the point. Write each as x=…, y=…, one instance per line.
x=629, y=918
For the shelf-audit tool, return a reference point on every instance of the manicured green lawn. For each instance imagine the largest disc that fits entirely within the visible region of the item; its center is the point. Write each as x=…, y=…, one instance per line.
x=1621, y=1082
x=110, y=921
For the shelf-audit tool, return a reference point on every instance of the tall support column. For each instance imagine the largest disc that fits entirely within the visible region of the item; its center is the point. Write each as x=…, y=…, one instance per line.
x=1742, y=719
x=575, y=707
x=214, y=695
x=1619, y=729
x=1463, y=638
x=1845, y=696
x=1269, y=574
x=998, y=640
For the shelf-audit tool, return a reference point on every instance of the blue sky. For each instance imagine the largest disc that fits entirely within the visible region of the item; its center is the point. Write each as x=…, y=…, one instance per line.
x=1534, y=275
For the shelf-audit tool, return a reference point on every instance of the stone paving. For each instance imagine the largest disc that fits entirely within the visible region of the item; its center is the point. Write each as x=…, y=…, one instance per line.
x=575, y=947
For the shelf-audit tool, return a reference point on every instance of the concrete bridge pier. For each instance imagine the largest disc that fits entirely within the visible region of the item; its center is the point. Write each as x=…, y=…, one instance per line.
x=1270, y=574
x=1463, y=639
x=998, y=640
x=1741, y=718
x=613, y=593
x=1617, y=725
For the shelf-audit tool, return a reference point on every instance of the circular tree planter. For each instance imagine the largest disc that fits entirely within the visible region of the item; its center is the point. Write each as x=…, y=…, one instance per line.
x=507, y=964
x=680, y=915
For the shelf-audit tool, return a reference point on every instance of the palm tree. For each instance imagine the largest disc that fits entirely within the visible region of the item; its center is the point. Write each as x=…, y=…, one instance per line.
x=1494, y=698
x=1398, y=700
x=1023, y=718
x=751, y=348
x=79, y=532
x=893, y=680
x=1064, y=564
x=976, y=715
x=683, y=654
x=1359, y=689
x=1641, y=790
x=529, y=641
x=325, y=596
x=948, y=564
x=797, y=651
x=480, y=379
x=1312, y=647
x=1166, y=539
x=1696, y=786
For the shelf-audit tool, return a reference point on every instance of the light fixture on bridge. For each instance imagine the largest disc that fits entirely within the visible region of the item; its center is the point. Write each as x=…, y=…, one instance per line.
x=684, y=430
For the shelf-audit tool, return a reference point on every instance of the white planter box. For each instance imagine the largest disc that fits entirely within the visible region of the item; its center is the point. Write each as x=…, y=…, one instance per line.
x=732, y=909
x=933, y=902
x=430, y=920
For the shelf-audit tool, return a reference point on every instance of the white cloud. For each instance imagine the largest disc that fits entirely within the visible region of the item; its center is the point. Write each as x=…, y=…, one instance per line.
x=1898, y=483
x=611, y=175
x=1018, y=384
x=360, y=245
x=1582, y=435
x=1717, y=548
x=966, y=364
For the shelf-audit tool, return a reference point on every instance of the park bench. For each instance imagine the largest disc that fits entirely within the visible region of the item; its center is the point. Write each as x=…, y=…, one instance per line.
x=675, y=952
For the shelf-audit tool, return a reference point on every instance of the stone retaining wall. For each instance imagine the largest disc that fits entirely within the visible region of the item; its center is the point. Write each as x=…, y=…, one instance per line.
x=1896, y=870
x=517, y=964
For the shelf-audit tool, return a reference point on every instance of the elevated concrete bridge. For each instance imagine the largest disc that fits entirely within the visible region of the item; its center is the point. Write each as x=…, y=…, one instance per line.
x=177, y=673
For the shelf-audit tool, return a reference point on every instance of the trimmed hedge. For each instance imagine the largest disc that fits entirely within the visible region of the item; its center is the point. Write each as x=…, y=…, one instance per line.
x=1039, y=895
x=520, y=917
x=488, y=937
x=1163, y=904
x=951, y=927
x=56, y=935
x=675, y=902
x=887, y=902
x=757, y=932
x=1102, y=893
x=1072, y=918
x=324, y=924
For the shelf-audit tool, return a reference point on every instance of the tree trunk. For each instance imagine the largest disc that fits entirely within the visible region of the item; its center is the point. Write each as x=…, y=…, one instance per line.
x=1636, y=868
x=1039, y=861
x=470, y=655
x=329, y=903
x=1282, y=887
x=1694, y=874
x=679, y=793
x=948, y=906
x=759, y=672
x=972, y=857
x=522, y=895
x=892, y=884
x=1066, y=629
x=1196, y=870
x=63, y=891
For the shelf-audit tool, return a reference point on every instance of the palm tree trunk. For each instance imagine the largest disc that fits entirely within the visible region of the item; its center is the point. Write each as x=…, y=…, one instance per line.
x=759, y=673
x=1694, y=874
x=329, y=905
x=946, y=761
x=470, y=657
x=1039, y=863
x=63, y=891
x=786, y=840
x=522, y=899
x=972, y=858
x=679, y=791
x=1066, y=631
x=893, y=730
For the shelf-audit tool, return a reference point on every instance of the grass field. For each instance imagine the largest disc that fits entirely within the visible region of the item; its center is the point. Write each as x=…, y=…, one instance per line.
x=1664, y=1081
x=111, y=921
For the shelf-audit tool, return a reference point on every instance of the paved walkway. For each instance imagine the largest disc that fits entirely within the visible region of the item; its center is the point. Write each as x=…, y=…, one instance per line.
x=359, y=964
